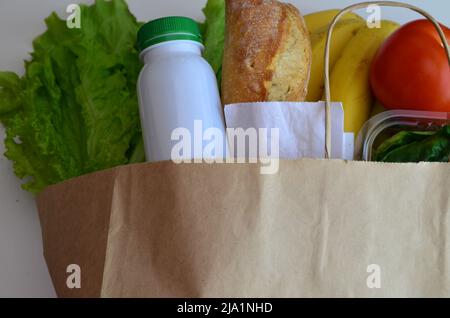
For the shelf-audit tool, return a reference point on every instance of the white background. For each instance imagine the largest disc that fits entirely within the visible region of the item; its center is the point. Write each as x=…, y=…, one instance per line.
x=23, y=272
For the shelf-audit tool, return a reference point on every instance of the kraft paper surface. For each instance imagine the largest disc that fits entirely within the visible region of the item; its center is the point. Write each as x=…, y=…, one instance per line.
x=317, y=228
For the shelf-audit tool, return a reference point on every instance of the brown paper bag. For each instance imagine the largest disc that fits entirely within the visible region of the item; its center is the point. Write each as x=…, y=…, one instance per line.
x=317, y=228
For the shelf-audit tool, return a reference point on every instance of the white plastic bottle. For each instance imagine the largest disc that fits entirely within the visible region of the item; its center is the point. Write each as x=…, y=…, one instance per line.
x=177, y=91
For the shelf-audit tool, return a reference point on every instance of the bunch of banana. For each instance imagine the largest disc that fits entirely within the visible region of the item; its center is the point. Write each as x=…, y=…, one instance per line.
x=319, y=20
x=342, y=34
x=318, y=24
x=353, y=48
x=350, y=76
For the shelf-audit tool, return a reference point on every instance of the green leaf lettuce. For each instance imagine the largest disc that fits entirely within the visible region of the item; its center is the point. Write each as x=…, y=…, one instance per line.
x=75, y=111
x=214, y=34
x=410, y=146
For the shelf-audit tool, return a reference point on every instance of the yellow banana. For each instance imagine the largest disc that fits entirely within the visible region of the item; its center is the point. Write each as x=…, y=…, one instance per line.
x=322, y=19
x=350, y=76
x=343, y=32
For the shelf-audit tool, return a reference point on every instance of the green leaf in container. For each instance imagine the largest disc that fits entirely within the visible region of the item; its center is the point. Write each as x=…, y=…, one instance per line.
x=401, y=139
x=433, y=148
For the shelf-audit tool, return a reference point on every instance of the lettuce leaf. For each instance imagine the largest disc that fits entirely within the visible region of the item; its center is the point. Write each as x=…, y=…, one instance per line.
x=410, y=146
x=75, y=111
x=400, y=139
x=214, y=34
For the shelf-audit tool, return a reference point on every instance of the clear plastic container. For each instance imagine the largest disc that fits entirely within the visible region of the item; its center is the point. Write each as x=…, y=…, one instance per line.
x=387, y=124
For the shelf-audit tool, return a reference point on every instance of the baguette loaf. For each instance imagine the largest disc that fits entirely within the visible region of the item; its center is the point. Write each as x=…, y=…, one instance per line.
x=267, y=52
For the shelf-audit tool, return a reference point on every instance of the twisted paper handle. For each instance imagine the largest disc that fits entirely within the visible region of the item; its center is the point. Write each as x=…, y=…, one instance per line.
x=327, y=53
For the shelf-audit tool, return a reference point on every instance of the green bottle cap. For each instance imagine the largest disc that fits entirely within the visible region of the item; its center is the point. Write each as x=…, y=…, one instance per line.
x=168, y=29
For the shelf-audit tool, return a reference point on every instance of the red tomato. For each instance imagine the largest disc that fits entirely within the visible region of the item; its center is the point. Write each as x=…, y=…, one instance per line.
x=411, y=69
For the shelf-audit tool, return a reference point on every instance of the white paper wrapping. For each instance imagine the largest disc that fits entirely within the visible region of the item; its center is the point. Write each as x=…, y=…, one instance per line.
x=301, y=127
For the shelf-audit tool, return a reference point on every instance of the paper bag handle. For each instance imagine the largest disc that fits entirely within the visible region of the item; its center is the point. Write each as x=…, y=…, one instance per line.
x=327, y=53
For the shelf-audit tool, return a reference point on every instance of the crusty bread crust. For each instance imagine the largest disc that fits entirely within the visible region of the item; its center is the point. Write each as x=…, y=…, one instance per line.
x=267, y=52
